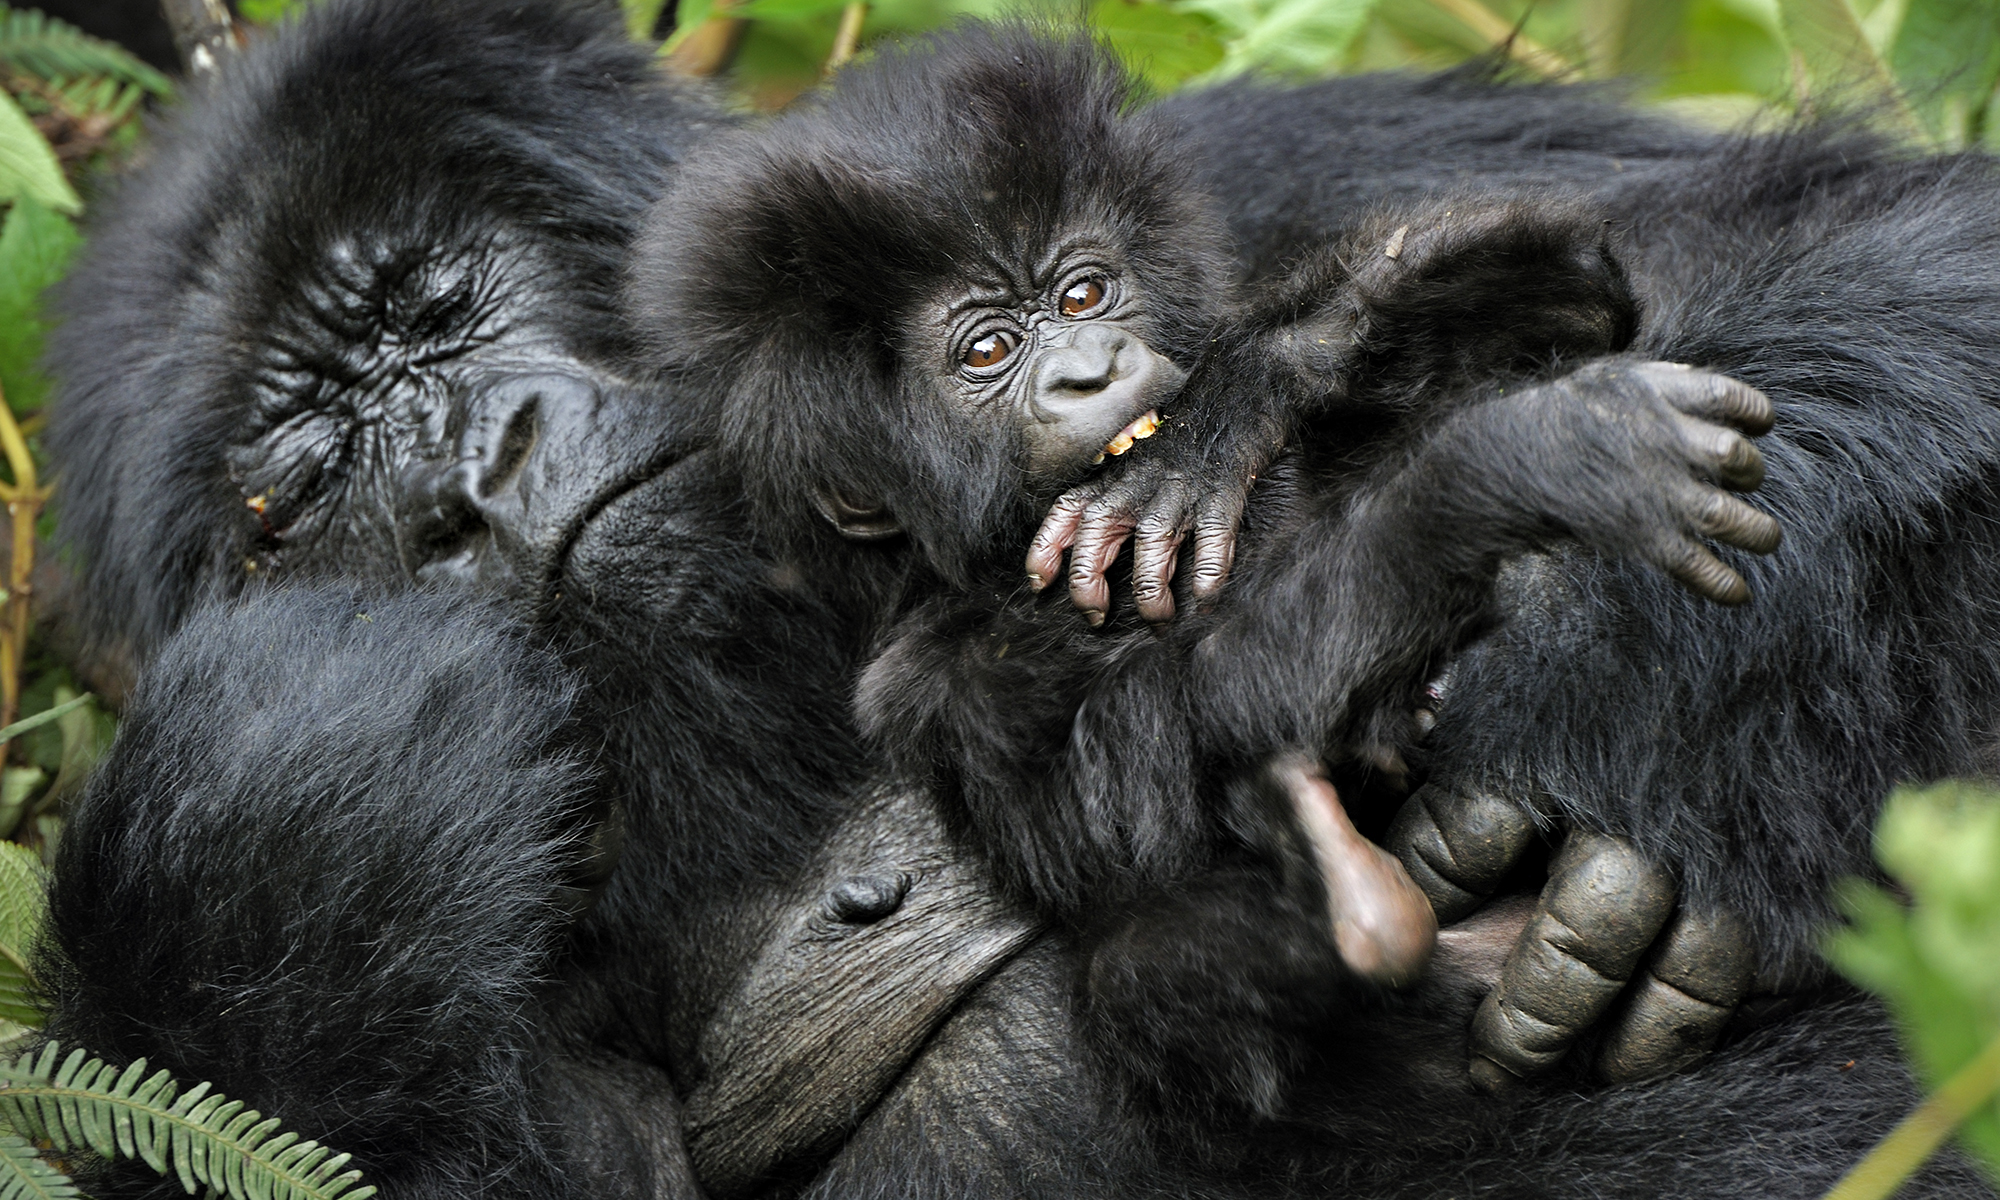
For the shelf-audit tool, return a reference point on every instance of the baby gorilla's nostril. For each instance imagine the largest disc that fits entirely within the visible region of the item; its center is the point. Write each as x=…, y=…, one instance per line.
x=510, y=453
x=1088, y=365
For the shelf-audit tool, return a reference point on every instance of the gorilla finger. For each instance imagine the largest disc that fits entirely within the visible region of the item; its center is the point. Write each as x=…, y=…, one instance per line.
x=1383, y=926
x=1097, y=545
x=1458, y=844
x=1214, y=546
x=1731, y=458
x=1734, y=523
x=1155, y=551
x=1690, y=988
x=1603, y=906
x=1726, y=401
x=1703, y=574
x=1057, y=533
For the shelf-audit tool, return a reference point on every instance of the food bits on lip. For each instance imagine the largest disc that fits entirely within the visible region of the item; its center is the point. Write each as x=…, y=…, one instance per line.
x=1137, y=431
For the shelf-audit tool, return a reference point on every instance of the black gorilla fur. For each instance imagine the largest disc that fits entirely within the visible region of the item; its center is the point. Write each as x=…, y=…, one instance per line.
x=1857, y=287
x=235, y=318
x=435, y=926
x=786, y=278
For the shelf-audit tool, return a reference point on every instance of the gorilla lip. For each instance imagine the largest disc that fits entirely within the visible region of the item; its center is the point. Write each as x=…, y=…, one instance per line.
x=1142, y=427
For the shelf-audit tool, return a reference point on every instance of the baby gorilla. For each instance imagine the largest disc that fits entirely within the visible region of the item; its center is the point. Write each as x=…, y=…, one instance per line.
x=921, y=307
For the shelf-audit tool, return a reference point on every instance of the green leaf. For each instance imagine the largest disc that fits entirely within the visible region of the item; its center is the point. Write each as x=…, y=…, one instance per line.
x=1841, y=65
x=17, y=785
x=1163, y=44
x=23, y=905
x=24, y=1176
x=1936, y=961
x=1283, y=36
x=689, y=16
x=266, y=12
x=1628, y=35
x=36, y=245
x=785, y=10
x=28, y=168
x=45, y=717
x=199, y=1136
x=1947, y=55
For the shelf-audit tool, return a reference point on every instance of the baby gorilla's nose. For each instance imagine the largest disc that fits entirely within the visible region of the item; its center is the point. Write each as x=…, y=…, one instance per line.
x=1090, y=360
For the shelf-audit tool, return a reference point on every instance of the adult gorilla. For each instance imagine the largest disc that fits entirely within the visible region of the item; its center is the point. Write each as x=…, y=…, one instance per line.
x=355, y=325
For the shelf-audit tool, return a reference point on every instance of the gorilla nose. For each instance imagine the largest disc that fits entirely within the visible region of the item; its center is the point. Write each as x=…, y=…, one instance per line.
x=1092, y=360
x=531, y=461
x=500, y=436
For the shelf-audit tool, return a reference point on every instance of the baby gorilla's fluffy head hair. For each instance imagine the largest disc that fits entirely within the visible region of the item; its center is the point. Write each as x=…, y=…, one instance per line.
x=786, y=276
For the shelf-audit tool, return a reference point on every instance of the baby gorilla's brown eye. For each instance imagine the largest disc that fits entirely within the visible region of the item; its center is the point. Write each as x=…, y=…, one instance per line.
x=990, y=349
x=1082, y=296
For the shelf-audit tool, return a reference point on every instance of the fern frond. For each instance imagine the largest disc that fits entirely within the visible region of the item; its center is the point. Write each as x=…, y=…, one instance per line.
x=24, y=1176
x=200, y=1135
x=39, y=45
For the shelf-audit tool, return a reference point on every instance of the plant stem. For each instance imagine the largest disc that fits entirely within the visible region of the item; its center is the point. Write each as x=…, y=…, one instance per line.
x=24, y=503
x=9, y=732
x=1898, y=1156
x=710, y=47
x=1520, y=47
x=203, y=31
x=847, y=37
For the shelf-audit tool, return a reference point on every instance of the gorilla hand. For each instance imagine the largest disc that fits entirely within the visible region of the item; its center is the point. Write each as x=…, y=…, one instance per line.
x=1586, y=945
x=1156, y=500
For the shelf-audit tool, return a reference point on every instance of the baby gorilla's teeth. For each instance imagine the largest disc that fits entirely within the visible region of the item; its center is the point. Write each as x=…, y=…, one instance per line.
x=1141, y=428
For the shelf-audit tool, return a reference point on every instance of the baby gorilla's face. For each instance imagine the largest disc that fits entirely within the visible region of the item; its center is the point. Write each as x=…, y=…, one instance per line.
x=1056, y=351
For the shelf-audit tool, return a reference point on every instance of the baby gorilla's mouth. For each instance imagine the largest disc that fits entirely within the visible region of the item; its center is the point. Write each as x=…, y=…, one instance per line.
x=1139, y=430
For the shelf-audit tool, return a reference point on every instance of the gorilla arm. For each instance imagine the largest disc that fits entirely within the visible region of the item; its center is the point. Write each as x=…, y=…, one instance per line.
x=328, y=864
x=1341, y=612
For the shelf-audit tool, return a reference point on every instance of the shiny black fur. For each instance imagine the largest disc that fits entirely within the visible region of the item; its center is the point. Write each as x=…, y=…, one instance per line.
x=495, y=1054
x=1858, y=287
x=1404, y=365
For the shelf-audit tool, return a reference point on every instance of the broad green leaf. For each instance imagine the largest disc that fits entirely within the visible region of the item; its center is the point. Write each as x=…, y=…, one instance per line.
x=688, y=17
x=28, y=168
x=1883, y=22
x=1628, y=35
x=786, y=10
x=1839, y=63
x=1935, y=961
x=23, y=904
x=36, y=245
x=1947, y=56
x=1283, y=36
x=1163, y=44
x=17, y=786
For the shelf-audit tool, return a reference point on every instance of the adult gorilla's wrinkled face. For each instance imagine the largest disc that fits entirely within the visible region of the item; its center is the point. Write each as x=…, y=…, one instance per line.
x=359, y=320
x=413, y=412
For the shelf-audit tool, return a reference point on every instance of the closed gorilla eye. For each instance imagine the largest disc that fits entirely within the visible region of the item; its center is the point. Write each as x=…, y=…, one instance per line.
x=991, y=349
x=1082, y=297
